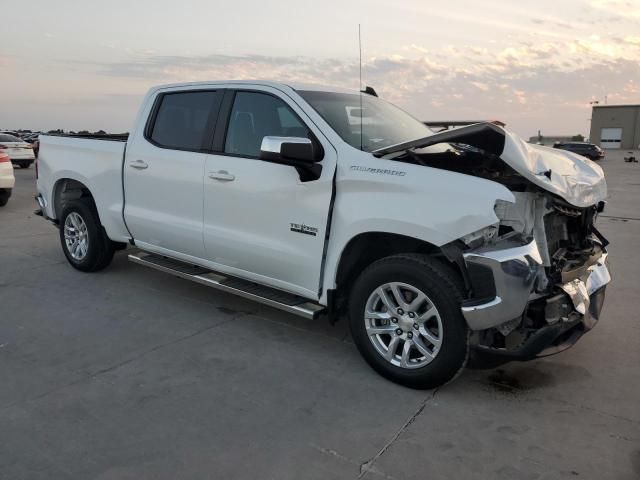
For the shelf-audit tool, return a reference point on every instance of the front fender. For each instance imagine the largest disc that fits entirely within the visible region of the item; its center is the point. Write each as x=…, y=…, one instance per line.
x=432, y=205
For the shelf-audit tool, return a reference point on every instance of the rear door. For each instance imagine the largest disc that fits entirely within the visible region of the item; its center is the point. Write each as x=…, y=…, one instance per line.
x=163, y=172
x=261, y=222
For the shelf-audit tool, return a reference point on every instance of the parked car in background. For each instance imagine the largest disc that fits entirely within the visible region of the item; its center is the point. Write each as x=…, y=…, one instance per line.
x=19, y=151
x=36, y=146
x=10, y=132
x=34, y=140
x=7, y=180
x=589, y=150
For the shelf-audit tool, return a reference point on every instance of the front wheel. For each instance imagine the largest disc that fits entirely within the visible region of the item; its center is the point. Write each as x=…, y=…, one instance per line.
x=405, y=318
x=83, y=239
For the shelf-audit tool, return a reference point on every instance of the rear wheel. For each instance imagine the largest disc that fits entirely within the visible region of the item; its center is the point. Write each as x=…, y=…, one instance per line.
x=84, y=242
x=25, y=164
x=406, y=321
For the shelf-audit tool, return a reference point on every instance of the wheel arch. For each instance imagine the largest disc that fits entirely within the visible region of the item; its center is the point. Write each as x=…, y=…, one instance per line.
x=367, y=247
x=66, y=189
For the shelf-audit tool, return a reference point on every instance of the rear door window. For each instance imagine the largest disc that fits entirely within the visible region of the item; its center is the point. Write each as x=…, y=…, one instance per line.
x=185, y=120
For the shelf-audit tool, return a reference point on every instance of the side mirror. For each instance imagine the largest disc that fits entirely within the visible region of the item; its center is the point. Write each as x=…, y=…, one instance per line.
x=281, y=149
x=298, y=152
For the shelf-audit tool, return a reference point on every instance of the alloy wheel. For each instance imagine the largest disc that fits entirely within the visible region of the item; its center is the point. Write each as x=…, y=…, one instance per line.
x=403, y=324
x=76, y=236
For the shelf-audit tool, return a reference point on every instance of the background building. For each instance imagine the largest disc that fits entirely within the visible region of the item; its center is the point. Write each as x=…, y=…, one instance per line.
x=616, y=126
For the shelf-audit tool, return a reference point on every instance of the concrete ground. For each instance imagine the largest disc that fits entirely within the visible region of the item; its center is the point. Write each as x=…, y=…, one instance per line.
x=131, y=373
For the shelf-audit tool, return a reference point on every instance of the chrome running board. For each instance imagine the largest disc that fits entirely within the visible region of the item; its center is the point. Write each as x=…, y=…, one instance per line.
x=266, y=295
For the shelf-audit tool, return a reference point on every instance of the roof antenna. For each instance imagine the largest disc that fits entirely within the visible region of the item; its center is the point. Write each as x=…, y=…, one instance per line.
x=360, y=49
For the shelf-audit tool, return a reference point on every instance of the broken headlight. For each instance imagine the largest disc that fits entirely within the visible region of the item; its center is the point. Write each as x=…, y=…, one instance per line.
x=481, y=237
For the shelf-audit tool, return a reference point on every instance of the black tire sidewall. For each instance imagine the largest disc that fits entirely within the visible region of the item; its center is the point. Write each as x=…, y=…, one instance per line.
x=97, y=243
x=5, y=194
x=446, y=297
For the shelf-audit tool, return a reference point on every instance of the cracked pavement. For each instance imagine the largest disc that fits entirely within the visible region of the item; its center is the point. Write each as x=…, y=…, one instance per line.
x=132, y=374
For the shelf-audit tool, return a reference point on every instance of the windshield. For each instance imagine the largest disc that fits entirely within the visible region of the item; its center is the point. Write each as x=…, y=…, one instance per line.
x=383, y=124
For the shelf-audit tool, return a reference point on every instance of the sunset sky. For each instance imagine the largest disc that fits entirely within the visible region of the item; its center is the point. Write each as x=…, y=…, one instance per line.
x=535, y=65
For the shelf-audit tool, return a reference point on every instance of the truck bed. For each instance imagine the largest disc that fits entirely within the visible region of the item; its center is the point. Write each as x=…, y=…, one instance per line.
x=118, y=137
x=95, y=163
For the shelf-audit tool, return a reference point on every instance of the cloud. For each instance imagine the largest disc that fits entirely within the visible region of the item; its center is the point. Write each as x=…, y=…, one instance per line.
x=525, y=82
x=556, y=23
x=6, y=61
x=624, y=8
x=480, y=86
x=191, y=68
x=525, y=69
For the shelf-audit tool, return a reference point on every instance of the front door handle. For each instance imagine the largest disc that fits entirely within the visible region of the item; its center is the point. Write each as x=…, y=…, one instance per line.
x=222, y=175
x=139, y=164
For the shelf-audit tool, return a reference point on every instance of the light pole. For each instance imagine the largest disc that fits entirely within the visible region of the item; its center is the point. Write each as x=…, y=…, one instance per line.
x=592, y=103
x=588, y=135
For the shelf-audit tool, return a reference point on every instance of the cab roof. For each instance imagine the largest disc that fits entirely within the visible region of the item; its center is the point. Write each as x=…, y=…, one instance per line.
x=266, y=83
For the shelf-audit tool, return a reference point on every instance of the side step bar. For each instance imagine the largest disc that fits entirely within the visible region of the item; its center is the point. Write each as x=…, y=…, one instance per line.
x=243, y=288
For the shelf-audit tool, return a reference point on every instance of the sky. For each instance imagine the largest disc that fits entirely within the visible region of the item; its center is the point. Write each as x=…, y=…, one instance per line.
x=534, y=65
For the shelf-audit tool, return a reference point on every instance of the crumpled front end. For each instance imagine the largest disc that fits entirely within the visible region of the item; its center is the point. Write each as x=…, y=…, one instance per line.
x=536, y=278
x=575, y=178
x=539, y=282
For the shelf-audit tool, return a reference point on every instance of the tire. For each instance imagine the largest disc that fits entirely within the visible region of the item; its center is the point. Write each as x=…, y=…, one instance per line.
x=99, y=250
x=443, y=289
x=25, y=164
x=4, y=196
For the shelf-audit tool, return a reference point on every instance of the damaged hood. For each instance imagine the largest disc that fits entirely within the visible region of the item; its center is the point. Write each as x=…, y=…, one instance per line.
x=573, y=177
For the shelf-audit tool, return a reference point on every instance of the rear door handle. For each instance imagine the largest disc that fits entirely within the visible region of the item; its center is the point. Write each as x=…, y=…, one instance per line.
x=139, y=164
x=222, y=175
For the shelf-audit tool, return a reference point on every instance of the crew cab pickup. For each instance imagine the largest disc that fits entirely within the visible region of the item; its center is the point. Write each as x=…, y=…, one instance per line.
x=320, y=201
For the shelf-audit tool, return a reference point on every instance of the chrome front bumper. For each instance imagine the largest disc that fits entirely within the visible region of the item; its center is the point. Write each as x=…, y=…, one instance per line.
x=515, y=269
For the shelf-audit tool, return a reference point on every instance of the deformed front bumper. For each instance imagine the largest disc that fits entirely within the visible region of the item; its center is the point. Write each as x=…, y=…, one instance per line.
x=514, y=269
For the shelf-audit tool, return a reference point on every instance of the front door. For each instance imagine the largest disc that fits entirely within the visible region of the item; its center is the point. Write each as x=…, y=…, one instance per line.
x=261, y=222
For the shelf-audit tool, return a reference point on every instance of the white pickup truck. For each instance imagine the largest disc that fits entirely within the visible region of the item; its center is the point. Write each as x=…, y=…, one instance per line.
x=319, y=201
